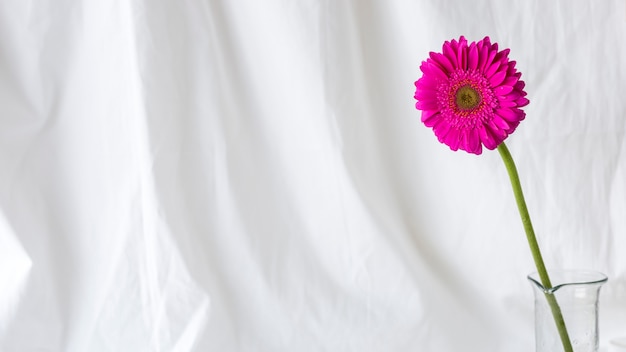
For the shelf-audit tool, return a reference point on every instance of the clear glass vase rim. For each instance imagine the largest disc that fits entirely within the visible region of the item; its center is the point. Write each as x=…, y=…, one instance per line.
x=577, y=278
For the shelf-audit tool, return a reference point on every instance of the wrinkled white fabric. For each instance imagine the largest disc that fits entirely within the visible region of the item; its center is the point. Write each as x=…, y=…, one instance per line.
x=238, y=175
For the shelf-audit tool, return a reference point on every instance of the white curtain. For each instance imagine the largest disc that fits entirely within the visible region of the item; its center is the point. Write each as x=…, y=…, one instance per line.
x=240, y=175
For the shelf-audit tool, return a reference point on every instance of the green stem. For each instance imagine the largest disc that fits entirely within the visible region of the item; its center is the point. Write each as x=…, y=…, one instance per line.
x=534, y=246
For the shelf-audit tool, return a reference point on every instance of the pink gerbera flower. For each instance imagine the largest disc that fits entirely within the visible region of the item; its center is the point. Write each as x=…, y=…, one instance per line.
x=470, y=95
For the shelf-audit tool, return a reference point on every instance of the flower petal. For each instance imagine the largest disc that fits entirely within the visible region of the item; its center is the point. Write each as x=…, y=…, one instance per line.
x=442, y=60
x=472, y=62
x=452, y=139
x=507, y=104
x=441, y=129
x=422, y=93
x=497, y=78
x=510, y=71
x=500, y=123
x=427, y=83
x=503, y=90
x=486, y=138
x=434, y=70
x=472, y=141
x=430, y=117
x=491, y=69
x=522, y=102
x=509, y=114
x=514, y=95
x=513, y=126
x=486, y=41
x=462, y=54
x=450, y=54
x=510, y=80
x=426, y=105
x=503, y=56
x=488, y=61
x=454, y=44
x=483, y=55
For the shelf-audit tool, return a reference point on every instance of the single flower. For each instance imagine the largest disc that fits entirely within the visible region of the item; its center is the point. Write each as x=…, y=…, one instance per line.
x=470, y=95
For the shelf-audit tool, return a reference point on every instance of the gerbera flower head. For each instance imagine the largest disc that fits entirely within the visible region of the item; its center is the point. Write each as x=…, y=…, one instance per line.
x=470, y=95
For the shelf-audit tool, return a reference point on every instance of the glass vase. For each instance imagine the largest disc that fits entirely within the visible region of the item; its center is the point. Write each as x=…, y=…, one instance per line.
x=576, y=292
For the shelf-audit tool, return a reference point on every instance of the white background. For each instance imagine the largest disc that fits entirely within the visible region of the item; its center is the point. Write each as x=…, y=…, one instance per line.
x=240, y=175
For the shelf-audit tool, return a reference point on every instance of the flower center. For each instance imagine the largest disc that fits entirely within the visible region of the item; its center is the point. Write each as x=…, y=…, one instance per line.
x=467, y=98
